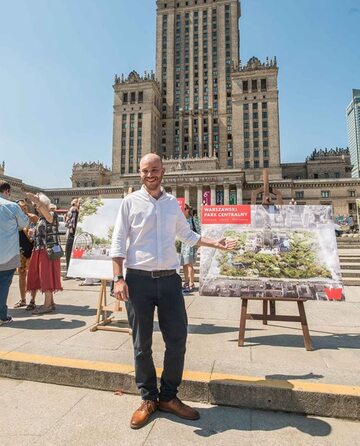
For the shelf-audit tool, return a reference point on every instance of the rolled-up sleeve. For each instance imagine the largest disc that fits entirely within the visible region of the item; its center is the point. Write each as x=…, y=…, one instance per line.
x=21, y=218
x=121, y=231
x=183, y=231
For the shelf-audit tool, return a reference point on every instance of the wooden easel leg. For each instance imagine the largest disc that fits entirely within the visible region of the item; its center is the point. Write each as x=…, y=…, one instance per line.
x=243, y=314
x=99, y=306
x=272, y=308
x=304, y=326
x=265, y=307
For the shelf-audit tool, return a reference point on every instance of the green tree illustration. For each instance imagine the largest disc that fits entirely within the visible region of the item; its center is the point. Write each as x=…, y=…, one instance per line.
x=89, y=207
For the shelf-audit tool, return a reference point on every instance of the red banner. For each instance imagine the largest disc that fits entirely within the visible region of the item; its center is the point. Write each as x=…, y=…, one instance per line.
x=215, y=215
x=181, y=202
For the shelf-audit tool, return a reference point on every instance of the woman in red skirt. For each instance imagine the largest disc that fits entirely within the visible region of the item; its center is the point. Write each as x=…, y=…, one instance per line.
x=44, y=274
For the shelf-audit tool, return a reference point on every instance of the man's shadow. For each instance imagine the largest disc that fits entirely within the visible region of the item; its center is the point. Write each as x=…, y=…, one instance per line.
x=216, y=420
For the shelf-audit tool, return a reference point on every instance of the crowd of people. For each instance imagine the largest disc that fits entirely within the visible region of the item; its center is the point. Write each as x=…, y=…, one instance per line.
x=31, y=245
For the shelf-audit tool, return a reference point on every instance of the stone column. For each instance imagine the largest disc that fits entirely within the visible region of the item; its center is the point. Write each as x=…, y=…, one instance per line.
x=181, y=134
x=200, y=132
x=211, y=136
x=239, y=194
x=199, y=200
x=174, y=191
x=226, y=194
x=213, y=194
x=187, y=194
x=191, y=134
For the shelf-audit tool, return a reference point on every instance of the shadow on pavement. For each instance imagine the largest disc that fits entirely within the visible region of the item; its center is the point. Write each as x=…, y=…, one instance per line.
x=216, y=420
x=46, y=324
x=333, y=341
x=77, y=310
x=301, y=377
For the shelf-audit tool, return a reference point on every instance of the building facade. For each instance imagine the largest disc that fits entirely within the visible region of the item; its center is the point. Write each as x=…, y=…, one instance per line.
x=353, y=128
x=213, y=120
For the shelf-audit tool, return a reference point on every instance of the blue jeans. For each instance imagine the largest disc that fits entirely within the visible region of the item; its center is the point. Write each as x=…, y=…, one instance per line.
x=165, y=293
x=5, y=282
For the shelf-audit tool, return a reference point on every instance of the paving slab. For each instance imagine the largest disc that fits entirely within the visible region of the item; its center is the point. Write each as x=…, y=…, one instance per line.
x=41, y=414
x=272, y=353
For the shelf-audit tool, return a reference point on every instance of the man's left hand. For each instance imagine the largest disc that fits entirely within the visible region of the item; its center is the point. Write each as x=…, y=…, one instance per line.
x=226, y=244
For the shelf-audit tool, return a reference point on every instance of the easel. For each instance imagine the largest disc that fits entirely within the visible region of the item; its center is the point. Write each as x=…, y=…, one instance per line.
x=103, y=321
x=266, y=190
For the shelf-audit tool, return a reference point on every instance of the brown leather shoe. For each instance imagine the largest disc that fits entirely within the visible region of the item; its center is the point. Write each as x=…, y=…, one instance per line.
x=180, y=409
x=142, y=414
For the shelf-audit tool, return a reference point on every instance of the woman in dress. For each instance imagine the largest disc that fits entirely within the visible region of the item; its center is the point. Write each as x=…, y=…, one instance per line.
x=44, y=274
x=188, y=253
x=25, y=258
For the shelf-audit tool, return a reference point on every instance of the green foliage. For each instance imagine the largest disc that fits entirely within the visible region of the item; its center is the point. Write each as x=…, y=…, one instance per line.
x=110, y=232
x=300, y=262
x=89, y=207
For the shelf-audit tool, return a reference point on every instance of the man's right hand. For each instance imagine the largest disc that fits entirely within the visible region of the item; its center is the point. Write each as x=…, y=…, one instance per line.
x=121, y=290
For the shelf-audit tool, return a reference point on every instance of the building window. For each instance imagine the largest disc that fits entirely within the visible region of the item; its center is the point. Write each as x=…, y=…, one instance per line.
x=125, y=98
x=325, y=194
x=352, y=193
x=141, y=97
x=254, y=86
x=263, y=84
x=299, y=194
x=245, y=86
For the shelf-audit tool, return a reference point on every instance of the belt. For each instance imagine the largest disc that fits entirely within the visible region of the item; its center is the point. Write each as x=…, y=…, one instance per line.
x=152, y=274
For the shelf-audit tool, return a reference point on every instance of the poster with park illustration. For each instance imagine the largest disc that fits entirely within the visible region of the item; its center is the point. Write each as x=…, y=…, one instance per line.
x=281, y=251
x=90, y=256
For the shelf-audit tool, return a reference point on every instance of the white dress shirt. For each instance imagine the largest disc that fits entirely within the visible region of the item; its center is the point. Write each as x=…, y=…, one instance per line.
x=146, y=229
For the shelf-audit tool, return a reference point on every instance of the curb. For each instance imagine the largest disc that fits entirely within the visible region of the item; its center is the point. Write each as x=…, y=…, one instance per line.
x=309, y=398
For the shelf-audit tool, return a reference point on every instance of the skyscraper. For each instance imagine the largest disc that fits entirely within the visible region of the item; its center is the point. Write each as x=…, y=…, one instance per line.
x=202, y=103
x=353, y=128
x=196, y=44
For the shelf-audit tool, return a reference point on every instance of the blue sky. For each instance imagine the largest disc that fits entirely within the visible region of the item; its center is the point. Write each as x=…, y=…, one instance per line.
x=58, y=60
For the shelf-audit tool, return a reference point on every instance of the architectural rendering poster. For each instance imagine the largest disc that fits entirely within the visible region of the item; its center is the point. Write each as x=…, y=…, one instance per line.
x=90, y=256
x=281, y=251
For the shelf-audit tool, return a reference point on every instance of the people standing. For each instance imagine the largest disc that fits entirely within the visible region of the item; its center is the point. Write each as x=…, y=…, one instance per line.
x=147, y=224
x=71, y=218
x=44, y=273
x=188, y=253
x=26, y=247
x=12, y=220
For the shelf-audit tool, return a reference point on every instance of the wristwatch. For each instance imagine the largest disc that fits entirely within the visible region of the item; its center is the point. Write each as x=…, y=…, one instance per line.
x=118, y=278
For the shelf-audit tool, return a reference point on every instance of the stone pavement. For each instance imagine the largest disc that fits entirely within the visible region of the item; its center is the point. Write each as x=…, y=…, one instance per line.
x=273, y=369
x=39, y=414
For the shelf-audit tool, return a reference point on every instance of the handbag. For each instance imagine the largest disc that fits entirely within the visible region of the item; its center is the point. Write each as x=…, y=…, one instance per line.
x=26, y=245
x=55, y=252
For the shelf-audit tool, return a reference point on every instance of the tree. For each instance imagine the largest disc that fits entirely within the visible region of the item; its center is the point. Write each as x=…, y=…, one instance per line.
x=89, y=207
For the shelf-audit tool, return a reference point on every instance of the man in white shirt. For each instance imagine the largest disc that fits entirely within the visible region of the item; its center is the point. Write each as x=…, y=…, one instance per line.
x=12, y=220
x=147, y=224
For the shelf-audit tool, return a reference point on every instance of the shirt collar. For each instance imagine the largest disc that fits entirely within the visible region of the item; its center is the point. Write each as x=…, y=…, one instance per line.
x=146, y=193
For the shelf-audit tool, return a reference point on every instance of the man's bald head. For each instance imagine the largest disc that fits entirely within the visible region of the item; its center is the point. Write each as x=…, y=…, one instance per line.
x=150, y=158
x=151, y=173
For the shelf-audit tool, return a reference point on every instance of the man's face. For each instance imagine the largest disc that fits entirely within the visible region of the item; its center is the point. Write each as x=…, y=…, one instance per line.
x=151, y=173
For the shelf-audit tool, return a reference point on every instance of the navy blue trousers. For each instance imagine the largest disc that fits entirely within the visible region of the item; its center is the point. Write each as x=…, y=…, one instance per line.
x=164, y=293
x=5, y=282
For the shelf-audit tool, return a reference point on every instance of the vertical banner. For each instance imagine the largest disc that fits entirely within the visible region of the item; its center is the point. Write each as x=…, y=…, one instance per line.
x=233, y=197
x=181, y=202
x=206, y=197
x=220, y=197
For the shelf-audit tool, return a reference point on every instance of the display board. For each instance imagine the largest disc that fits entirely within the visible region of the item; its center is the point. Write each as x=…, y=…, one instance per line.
x=90, y=256
x=285, y=251
x=358, y=211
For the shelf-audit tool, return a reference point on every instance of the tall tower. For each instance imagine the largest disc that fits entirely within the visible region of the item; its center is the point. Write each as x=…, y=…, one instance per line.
x=353, y=127
x=256, y=133
x=196, y=43
x=136, y=122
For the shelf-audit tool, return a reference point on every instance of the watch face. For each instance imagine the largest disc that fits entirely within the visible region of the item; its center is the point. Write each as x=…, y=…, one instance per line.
x=117, y=278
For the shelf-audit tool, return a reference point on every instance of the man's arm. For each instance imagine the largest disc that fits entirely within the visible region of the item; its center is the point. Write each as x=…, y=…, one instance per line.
x=121, y=290
x=21, y=218
x=223, y=244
